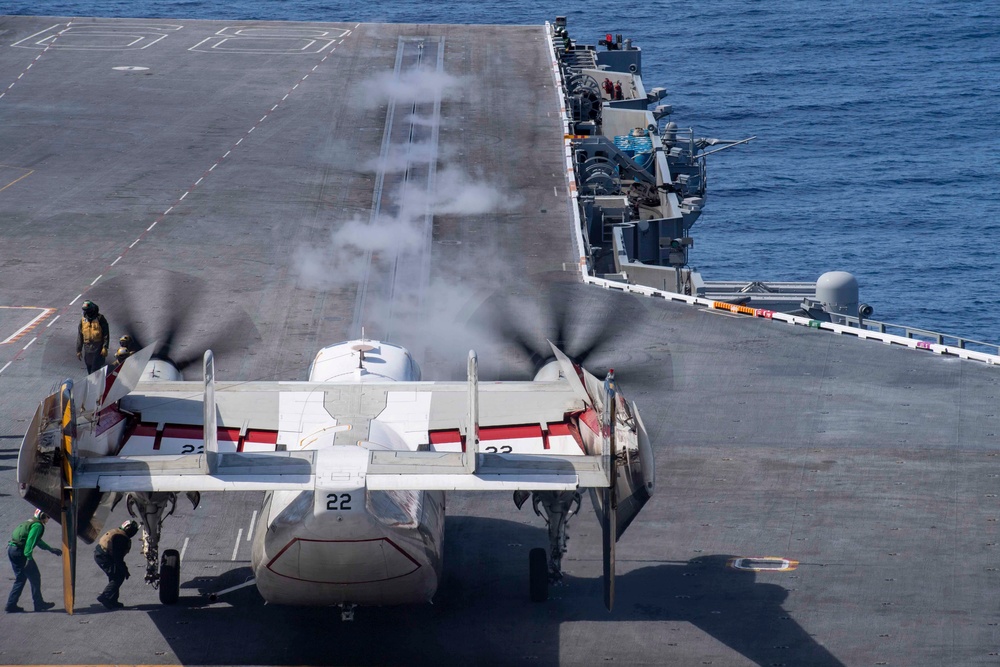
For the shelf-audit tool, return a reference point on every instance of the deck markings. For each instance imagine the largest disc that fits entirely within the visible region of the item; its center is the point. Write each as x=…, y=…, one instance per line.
x=195, y=184
x=5, y=366
x=184, y=549
x=253, y=518
x=29, y=343
x=44, y=51
x=19, y=178
x=53, y=321
x=239, y=536
x=27, y=328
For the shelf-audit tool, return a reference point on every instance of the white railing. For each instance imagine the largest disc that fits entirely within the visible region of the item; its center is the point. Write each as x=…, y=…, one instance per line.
x=911, y=338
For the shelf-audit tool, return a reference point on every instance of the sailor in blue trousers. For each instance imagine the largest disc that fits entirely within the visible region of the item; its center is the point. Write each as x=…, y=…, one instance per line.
x=21, y=551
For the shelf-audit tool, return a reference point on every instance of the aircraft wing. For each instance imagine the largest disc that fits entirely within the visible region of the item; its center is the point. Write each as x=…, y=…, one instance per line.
x=186, y=436
x=563, y=435
x=233, y=472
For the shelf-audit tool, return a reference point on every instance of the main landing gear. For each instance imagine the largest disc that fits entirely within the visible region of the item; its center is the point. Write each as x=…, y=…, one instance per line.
x=558, y=507
x=538, y=575
x=170, y=576
x=150, y=509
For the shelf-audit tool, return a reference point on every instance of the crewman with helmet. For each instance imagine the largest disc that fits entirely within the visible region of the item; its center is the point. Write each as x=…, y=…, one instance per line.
x=109, y=554
x=92, y=338
x=124, y=349
x=20, y=550
x=124, y=352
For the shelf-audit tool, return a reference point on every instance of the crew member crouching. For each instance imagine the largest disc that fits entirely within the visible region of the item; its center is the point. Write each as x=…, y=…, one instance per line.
x=109, y=554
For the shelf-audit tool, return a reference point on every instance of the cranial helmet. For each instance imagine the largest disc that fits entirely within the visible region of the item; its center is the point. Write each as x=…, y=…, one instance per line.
x=90, y=308
x=40, y=515
x=122, y=354
x=125, y=341
x=130, y=527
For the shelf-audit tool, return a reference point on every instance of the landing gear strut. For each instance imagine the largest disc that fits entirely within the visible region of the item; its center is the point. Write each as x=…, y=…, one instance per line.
x=150, y=510
x=558, y=507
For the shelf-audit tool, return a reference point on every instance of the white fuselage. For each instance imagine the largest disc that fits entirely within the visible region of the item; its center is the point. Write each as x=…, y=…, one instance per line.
x=342, y=543
x=349, y=546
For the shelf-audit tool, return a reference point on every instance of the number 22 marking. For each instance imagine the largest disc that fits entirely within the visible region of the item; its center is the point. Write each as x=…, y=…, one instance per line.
x=338, y=501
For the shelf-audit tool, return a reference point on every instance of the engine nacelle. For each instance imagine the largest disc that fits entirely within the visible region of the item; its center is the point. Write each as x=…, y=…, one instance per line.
x=160, y=370
x=363, y=361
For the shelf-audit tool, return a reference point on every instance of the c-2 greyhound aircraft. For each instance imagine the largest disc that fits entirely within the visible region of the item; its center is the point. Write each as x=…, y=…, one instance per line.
x=354, y=463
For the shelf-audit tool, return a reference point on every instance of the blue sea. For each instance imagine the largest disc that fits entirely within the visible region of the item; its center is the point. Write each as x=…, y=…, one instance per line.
x=878, y=128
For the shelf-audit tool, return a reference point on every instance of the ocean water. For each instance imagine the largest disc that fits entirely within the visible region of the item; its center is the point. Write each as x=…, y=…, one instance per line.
x=878, y=128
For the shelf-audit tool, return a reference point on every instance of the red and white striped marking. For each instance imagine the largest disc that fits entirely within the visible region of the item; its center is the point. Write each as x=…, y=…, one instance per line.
x=31, y=325
x=555, y=438
x=189, y=439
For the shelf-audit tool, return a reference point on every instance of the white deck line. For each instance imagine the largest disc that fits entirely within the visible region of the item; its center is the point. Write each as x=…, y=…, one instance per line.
x=20, y=332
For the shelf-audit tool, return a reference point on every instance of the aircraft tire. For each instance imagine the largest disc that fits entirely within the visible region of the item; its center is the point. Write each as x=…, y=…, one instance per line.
x=538, y=575
x=170, y=576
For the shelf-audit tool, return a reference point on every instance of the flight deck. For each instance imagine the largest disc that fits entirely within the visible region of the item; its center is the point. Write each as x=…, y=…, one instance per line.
x=265, y=189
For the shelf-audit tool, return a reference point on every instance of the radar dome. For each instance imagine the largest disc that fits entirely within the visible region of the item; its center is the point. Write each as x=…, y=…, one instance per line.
x=838, y=292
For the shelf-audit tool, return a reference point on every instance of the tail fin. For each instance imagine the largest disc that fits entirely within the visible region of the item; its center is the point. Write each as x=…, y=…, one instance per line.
x=211, y=434
x=68, y=513
x=45, y=474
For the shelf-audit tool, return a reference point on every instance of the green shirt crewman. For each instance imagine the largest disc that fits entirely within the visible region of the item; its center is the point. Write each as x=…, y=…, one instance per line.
x=20, y=551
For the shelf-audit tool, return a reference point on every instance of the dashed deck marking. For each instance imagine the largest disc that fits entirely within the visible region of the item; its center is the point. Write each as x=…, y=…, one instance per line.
x=44, y=51
x=188, y=191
